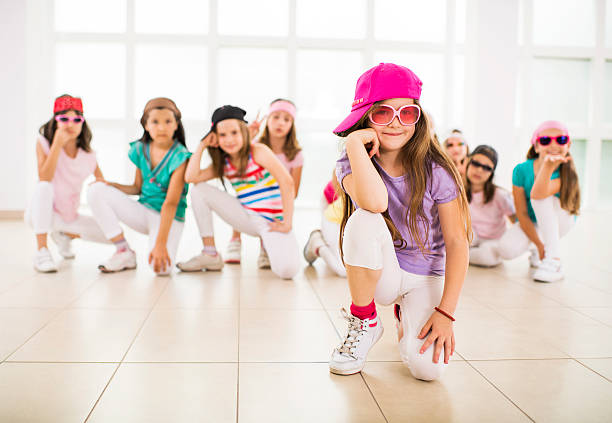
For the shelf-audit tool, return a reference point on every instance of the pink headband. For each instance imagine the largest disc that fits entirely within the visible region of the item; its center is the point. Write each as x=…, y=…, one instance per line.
x=283, y=106
x=549, y=124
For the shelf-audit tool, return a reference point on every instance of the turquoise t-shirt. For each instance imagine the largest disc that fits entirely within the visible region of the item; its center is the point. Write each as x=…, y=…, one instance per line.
x=155, y=181
x=524, y=177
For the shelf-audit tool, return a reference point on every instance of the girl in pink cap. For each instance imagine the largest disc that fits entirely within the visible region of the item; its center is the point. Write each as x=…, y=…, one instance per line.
x=547, y=199
x=281, y=136
x=405, y=227
x=65, y=159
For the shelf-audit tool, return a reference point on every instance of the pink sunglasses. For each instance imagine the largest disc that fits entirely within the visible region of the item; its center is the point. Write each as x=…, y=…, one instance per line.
x=66, y=119
x=384, y=114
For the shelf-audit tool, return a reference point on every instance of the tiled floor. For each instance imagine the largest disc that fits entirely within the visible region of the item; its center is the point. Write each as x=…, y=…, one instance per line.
x=242, y=345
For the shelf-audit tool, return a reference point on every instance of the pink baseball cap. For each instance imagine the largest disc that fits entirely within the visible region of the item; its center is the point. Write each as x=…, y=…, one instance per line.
x=549, y=124
x=382, y=82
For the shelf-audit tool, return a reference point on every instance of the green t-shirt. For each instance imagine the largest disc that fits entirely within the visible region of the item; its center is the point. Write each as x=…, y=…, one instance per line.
x=155, y=181
x=523, y=176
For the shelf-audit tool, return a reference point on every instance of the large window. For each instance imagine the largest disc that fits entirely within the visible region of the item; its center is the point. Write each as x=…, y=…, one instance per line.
x=117, y=54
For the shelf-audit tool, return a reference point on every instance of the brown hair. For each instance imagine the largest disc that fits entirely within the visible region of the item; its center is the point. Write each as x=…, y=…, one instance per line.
x=570, y=189
x=489, y=186
x=163, y=103
x=417, y=156
x=218, y=156
x=291, y=146
x=83, y=140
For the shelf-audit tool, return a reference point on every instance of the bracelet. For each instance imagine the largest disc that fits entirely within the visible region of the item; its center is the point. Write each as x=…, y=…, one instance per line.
x=439, y=310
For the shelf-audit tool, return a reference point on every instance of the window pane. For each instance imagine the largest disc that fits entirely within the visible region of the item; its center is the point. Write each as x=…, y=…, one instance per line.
x=176, y=17
x=460, y=17
x=564, y=23
x=430, y=69
x=90, y=15
x=251, y=78
x=579, y=152
x=262, y=17
x=605, y=175
x=111, y=146
x=183, y=78
x=323, y=94
x=321, y=150
x=609, y=23
x=410, y=20
x=341, y=19
x=560, y=90
x=607, y=91
x=457, y=112
x=83, y=70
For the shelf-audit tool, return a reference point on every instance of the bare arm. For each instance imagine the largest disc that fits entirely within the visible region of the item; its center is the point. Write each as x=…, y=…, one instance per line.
x=296, y=174
x=520, y=203
x=47, y=162
x=133, y=189
x=543, y=186
x=98, y=173
x=267, y=159
x=364, y=185
x=193, y=173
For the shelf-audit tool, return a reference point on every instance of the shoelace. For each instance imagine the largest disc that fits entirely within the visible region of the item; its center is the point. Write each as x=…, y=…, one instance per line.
x=356, y=329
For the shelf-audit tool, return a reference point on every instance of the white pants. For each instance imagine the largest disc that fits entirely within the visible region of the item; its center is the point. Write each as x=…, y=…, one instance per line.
x=368, y=243
x=111, y=206
x=282, y=248
x=331, y=252
x=553, y=223
x=43, y=219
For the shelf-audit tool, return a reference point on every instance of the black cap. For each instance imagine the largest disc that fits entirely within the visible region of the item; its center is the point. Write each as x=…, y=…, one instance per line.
x=488, y=151
x=227, y=112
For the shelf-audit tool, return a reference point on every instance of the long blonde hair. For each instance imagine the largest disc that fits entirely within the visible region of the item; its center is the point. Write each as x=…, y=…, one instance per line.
x=416, y=156
x=218, y=156
x=291, y=146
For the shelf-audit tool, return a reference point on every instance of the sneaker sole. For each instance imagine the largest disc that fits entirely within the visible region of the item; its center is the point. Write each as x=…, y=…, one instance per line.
x=46, y=271
x=105, y=270
x=232, y=261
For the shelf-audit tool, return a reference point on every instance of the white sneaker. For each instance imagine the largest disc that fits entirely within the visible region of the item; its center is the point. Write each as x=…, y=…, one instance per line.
x=64, y=244
x=43, y=261
x=233, y=254
x=121, y=260
x=350, y=356
x=201, y=262
x=548, y=271
x=534, y=258
x=263, y=261
x=315, y=241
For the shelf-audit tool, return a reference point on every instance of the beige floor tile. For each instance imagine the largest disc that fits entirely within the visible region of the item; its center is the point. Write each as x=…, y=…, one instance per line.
x=117, y=290
x=552, y=390
x=574, y=294
x=187, y=335
x=571, y=332
x=601, y=314
x=274, y=293
x=50, y=392
x=84, y=335
x=286, y=336
x=603, y=366
x=18, y=324
x=200, y=290
x=461, y=395
x=169, y=393
x=486, y=335
x=304, y=392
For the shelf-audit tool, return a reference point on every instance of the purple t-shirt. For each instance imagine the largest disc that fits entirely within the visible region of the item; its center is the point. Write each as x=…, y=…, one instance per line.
x=441, y=188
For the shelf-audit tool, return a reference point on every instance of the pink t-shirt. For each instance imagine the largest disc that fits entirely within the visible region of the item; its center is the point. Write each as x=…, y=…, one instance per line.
x=489, y=220
x=70, y=173
x=298, y=161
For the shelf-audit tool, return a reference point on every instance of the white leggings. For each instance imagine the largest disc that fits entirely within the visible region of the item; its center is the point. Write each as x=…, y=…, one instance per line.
x=111, y=206
x=553, y=223
x=43, y=219
x=282, y=248
x=368, y=243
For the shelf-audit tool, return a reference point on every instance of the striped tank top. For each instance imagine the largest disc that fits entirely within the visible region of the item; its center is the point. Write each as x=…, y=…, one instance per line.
x=257, y=190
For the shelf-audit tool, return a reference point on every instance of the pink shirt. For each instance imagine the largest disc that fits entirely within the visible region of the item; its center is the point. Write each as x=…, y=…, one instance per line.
x=298, y=161
x=70, y=173
x=489, y=220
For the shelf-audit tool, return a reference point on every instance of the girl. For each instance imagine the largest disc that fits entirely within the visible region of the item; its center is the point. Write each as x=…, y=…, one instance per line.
x=456, y=147
x=324, y=242
x=263, y=206
x=160, y=156
x=280, y=135
x=407, y=240
x=490, y=206
x=65, y=159
x=547, y=199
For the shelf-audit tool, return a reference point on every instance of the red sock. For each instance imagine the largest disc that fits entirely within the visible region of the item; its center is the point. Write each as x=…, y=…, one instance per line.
x=364, y=312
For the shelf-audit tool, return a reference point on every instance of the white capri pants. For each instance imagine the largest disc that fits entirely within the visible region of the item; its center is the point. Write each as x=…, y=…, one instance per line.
x=367, y=243
x=43, y=219
x=111, y=206
x=331, y=236
x=553, y=223
x=282, y=248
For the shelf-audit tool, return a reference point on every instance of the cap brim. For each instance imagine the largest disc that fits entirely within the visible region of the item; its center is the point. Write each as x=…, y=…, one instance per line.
x=352, y=119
